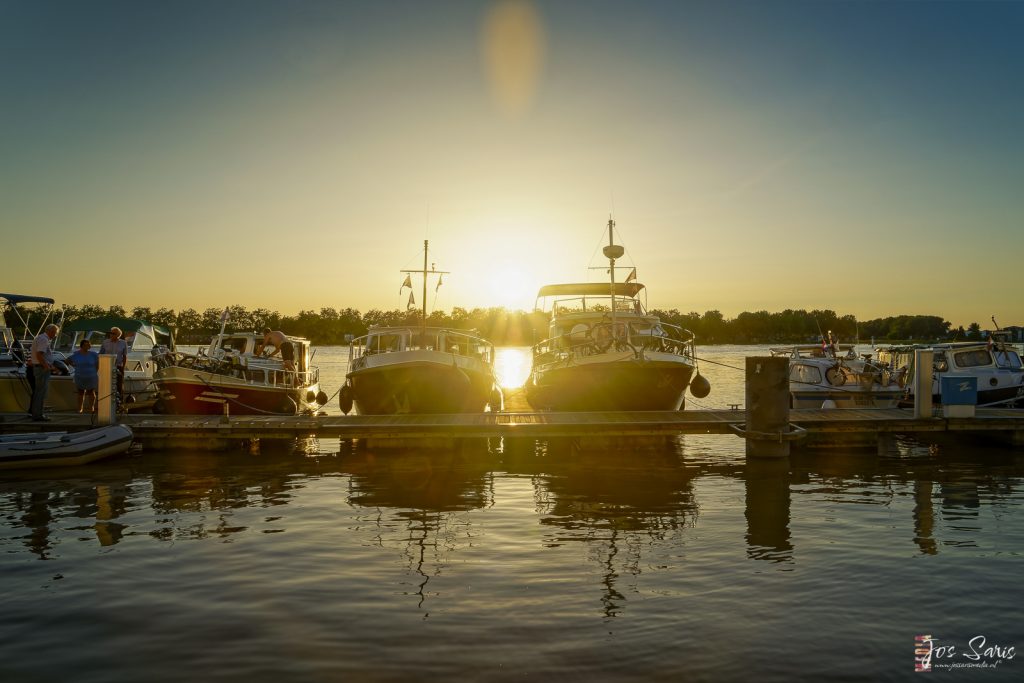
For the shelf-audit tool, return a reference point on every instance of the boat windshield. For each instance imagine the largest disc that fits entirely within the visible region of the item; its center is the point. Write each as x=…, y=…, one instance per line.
x=596, y=304
x=1007, y=358
x=419, y=339
x=973, y=358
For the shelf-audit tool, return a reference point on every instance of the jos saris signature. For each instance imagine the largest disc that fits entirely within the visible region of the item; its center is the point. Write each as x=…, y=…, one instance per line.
x=979, y=652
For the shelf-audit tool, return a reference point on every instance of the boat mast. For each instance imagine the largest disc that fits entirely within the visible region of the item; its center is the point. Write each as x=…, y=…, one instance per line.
x=612, y=252
x=423, y=319
x=425, y=273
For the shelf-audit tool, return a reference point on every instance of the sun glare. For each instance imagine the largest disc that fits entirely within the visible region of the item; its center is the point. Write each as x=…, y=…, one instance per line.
x=512, y=367
x=512, y=287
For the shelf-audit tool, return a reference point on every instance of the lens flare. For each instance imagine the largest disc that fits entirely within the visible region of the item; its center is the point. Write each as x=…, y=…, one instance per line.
x=513, y=54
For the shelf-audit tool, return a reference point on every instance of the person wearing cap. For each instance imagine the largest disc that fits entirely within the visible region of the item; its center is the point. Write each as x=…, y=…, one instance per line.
x=42, y=366
x=117, y=347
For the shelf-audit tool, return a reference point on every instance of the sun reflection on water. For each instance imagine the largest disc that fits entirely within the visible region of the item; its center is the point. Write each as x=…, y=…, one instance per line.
x=512, y=365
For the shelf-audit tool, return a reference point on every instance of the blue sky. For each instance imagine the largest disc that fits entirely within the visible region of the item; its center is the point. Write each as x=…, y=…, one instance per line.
x=860, y=156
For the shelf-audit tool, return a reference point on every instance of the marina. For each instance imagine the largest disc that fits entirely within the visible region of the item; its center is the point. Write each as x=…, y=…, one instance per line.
x=511, y=340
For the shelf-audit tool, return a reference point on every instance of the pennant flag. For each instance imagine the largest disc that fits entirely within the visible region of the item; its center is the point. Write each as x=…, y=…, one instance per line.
x=406, y=283
x=412, y=301
x=440, y=281
x=632, y=276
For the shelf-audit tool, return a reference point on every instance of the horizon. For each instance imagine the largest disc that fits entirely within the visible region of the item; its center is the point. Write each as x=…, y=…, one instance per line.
x=728, y=317
x=856, y=157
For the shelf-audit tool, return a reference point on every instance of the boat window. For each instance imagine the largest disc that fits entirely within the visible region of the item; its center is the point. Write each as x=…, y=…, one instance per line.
x=804, y=374
x=233, y=345
x=1008, y=359
x=972, y=359
x=142, y=342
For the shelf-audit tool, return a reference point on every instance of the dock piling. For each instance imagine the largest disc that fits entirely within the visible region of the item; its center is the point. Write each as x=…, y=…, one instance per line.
x=923, y=373
x=767, y=395
x=106, y=408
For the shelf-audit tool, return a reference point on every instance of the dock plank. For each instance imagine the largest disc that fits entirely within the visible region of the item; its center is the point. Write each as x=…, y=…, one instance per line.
x=524, y=424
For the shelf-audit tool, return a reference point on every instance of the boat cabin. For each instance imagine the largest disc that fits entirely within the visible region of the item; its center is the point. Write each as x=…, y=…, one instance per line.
x=240, y=349
x=394, y=339
x=953, y=357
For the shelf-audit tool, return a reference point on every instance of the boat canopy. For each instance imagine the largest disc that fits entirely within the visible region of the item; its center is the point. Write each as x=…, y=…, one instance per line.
x=15, y=299
x=630, y=289
x=106, y=322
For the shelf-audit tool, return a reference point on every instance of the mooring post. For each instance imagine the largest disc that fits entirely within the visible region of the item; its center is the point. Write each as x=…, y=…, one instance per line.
x=767, y=406
x=923, y=373
x=106, y=412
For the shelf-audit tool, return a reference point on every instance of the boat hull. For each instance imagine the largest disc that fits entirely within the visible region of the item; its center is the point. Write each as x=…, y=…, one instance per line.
x=1009, y=396
x=624, y=383
x=36, y=450
x=185, y=391
x=845, y=399
x=62, y=395
x=422, y=385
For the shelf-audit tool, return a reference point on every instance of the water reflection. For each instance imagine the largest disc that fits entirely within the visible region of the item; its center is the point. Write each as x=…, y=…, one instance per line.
x=41, y=507
x=767, y=510
x=417, y=498
x=512, y=365
x=620, y=506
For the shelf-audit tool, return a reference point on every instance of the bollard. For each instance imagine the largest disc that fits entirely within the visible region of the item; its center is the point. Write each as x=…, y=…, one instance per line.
x=923, y=372
x=106, y=408
x=767, y=397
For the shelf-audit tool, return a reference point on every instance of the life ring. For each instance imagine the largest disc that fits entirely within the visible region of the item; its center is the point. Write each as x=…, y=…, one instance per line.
x=602, y=335
x=835, y=376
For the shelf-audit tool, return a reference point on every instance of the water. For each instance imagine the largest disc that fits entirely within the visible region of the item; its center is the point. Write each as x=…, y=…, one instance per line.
x=498, y=564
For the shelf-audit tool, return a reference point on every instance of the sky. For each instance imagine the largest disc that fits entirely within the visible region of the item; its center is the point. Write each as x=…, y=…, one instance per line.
x=864, y=157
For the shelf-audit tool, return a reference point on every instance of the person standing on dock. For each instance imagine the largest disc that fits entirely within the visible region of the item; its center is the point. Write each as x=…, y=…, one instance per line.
x=115, y=346
x=87, y=365
x=42, y=366
x=280, y=342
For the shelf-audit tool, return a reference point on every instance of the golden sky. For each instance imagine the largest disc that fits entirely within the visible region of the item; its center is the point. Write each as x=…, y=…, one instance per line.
x=858, y=157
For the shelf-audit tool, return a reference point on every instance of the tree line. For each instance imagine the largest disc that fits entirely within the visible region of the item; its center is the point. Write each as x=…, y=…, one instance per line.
x=329, y=326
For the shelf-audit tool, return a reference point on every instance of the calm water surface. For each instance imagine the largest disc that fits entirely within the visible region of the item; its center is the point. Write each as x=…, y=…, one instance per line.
x=491, y=563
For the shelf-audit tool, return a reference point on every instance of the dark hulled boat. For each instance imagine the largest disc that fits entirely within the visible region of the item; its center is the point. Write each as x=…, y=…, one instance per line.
x=606, y=352
x=420, y=369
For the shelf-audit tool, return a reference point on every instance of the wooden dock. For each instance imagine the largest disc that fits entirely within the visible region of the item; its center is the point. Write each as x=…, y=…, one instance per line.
x=818, y=424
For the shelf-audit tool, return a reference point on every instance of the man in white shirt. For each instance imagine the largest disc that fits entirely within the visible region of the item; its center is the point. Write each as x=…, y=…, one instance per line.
x=117, y=347
x=42, y=366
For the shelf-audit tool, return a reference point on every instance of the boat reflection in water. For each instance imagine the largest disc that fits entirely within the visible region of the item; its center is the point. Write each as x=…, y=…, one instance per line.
x=591, y=559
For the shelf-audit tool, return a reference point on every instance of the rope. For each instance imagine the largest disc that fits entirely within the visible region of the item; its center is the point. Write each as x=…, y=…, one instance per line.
x=724, y=365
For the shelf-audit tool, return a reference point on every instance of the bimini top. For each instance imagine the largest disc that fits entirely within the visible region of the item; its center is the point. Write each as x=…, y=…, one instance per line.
x=16, y=299
x=630, y=289
x=104, y=323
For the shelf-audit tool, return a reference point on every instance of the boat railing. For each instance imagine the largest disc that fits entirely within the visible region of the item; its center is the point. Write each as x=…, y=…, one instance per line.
x=596, y=304
x=255, y=371
x=601, y=337
x=455, y=342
